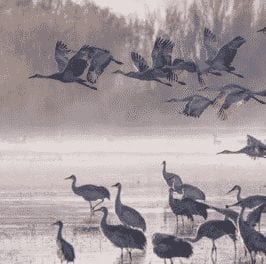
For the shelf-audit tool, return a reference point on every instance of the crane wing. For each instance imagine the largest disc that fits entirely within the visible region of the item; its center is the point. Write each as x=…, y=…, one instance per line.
x=61, y=52
x=209, y=39
x=253, y=141
x=228, y=52
x=139, y=62
x=162, y=52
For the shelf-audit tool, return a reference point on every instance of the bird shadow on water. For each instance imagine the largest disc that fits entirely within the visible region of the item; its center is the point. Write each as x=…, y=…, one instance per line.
x=137, y=258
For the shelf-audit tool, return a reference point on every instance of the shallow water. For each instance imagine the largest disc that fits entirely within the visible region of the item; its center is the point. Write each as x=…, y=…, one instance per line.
x=34, y=193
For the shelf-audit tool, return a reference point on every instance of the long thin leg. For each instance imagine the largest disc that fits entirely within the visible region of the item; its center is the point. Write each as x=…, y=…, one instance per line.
x=235, y=250
x=164, y=261
x=171, y=261
x=121, y=255
x=91, y=208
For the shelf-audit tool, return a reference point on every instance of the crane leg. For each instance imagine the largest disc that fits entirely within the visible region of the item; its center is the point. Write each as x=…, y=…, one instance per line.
x=91, y=208
x=235, y=250
x=129, y=253
x=171, y=261
x=121, y=255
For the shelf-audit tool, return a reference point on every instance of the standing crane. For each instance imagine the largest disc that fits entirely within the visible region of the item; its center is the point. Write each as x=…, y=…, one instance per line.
x=65, y=250
x=253, y=240
x=161, y=58
x=168, y=247
x=220, y=59
x=128, y=215
x=195, y=105
x=122, y=236
x=215, y=229
x=90, y=192
x=69, y=70
x=254, y=149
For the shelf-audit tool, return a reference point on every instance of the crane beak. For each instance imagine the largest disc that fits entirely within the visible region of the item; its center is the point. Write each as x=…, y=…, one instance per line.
x=67, y=178
x=231, y=190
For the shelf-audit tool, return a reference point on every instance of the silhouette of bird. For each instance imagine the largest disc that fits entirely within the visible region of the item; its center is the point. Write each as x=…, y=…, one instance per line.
x=220, y=60
x=65, y=250
x=254, y=149
x=90, y=192
x=172, y=180
x=161, y=57
x=215, y=229
x=187, y=207
x=168, y=247
x=69, y=70
x=263, y=30
x=100, y=59
x=254, y=241
x=128, y=215
x=188, y=66
x=122, y=236
x=195, y=105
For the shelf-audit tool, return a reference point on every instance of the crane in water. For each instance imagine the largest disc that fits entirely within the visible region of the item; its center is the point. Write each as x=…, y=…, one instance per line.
x=254, y=241
x=187, y=207
x=168, y=247
x=65, y=250
x=161, y=57
x=195, y=104
x=122, y=236
x=69, y=70
x=254, y=149
x=215, y=229
x=90, y=192
x=128, y=215
x=263, y=30
x=220, y=59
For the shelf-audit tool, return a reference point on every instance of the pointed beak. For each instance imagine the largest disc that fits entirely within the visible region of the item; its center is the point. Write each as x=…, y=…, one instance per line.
x=113, y=185
x=97, y=210
x=32, y=76
x=231, y=190
x=67, y=178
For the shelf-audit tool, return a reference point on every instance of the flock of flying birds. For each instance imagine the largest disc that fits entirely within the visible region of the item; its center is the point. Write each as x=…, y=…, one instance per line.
x=130, y=234
x=163, y=70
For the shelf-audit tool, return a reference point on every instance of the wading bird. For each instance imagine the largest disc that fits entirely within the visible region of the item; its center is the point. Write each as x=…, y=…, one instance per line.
x=128, y=215
x=187, y=207
x=168, y=247
x=220, y=60
x=100, y=59
x=254, y=148
x=215, y=229
x=254, y=241
x=122, y=236
x=161, y=57
x=65, y=250
x=69, y=70
x=90, y=192
x=195, y=105
x=172, y=179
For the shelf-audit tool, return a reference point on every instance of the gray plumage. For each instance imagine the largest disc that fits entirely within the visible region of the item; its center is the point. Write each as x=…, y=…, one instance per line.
x=191, y=191
x=228, y=213
x=65, y=250
x=90, y=192
x=254, y=241
x=187, y=207
x=122, y=236
x=220, y=60
x=168, y=247
x=195, y=105
x=173, y=180
x=161, y=57
x=215, y=229
x=128, y=215
x=69, y=70
x=254, y=148
x=99, y=60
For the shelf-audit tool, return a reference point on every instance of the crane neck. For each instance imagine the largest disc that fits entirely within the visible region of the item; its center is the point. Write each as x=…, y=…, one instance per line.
x=239, y=198
x=104, y=220
x=118, y=198
x=59, y=234
x=74, y=187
